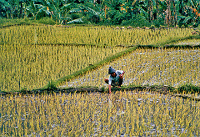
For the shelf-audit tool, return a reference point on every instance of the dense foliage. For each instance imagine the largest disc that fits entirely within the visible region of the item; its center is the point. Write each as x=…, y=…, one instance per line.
x=107, y=12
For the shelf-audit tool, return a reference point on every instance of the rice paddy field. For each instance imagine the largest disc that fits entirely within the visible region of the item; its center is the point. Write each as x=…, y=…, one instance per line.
x=188, y=42
x=130, y=113
x=31, y=56
x=172, y=67
x=33, y=66
x=108, y=36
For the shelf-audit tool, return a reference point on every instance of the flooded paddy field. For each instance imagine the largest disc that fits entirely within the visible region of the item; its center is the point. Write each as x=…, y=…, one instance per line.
x=130, y=113
x=37, y=55
x=173, y=67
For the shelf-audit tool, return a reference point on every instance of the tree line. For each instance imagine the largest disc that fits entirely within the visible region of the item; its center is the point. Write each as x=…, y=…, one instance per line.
x=106, y=12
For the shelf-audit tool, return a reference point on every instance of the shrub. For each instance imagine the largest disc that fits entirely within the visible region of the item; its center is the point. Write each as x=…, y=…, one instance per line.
x=137, y=21
x=158, y=22
x=199, y=29
x=47, y=20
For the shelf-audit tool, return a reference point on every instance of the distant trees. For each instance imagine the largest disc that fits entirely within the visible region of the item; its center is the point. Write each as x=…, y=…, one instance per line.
x=111, y=12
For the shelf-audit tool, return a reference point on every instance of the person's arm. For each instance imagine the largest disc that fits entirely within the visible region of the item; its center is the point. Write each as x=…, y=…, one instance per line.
x=109, y=87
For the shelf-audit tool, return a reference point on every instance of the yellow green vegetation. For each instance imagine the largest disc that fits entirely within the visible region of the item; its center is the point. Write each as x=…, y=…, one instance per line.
x=130, y=113
x=31, y=56
x=32, y=66
x=188, y=42
x=88, y=35
x=173, y=67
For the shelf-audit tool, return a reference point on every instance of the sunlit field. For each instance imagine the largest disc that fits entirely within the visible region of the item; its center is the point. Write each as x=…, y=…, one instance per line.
x=172, y=67
x=31, y=56
x=88, y=35
x=188, y=42
x=130, y=113
x=35, y=65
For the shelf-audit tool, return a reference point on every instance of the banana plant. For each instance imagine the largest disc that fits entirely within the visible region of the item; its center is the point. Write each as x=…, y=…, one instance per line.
x=188, y=12
x=4, y=6
x=182, y=12
x=57, y=10
x=13, y=8
x=113, y=11
x=32, y=9
x=62, y=11
x=8, y=8
x=86, y=11
x=53, y=8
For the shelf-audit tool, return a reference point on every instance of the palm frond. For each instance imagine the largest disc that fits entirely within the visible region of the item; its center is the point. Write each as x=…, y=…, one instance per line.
x=79, y=20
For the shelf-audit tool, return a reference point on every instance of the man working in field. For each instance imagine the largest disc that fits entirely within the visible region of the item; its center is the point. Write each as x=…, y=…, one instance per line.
x=115, y=79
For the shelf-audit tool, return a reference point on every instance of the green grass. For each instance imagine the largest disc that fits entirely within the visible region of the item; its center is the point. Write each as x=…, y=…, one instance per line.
x=188, y=88
x=26, y=21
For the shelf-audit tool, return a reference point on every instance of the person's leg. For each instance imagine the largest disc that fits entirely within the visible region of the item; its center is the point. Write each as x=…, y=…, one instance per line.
x=120, y=81
x=106, y=80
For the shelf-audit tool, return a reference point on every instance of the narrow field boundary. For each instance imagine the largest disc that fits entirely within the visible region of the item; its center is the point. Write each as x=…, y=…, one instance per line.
x=166, y=90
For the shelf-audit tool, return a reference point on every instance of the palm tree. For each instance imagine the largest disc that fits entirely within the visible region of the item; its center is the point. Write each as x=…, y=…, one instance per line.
x=186, y=14
x=8, y=7
x=181, y=12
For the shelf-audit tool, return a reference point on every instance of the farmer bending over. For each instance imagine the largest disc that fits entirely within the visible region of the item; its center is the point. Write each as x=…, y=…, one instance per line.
x=115, y=79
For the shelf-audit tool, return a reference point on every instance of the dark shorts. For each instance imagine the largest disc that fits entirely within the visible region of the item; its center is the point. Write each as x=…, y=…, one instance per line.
x=116, y=84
